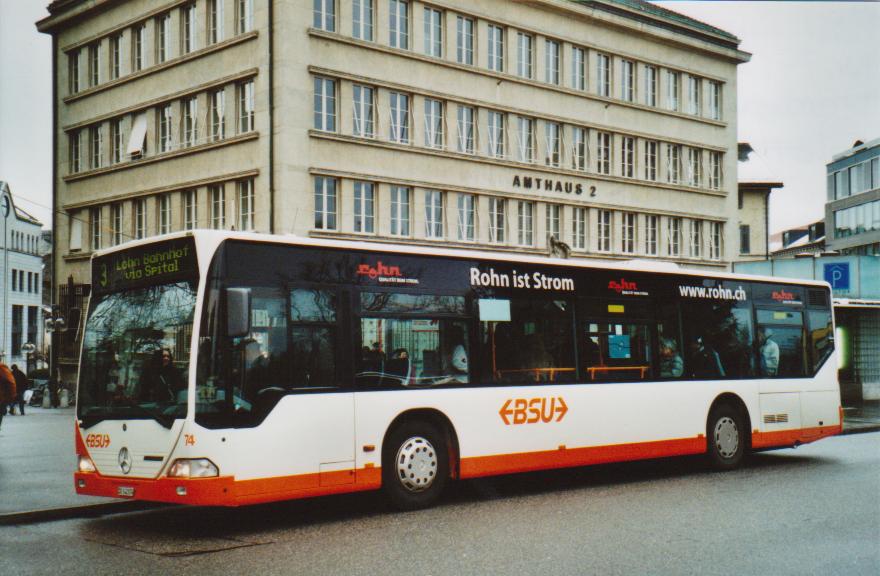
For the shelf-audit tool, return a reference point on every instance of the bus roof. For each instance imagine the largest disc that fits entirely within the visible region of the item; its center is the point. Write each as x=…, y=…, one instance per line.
x=207, y=241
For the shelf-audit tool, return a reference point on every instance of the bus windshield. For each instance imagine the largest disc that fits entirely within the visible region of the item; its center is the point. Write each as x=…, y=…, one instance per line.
x=135, y=357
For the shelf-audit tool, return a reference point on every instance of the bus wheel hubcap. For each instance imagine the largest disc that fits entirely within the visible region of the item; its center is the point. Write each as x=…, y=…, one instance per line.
x=416, y=464
x=726, y=437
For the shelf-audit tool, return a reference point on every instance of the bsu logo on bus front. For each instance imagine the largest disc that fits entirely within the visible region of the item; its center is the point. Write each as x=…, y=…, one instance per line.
x=532, y=411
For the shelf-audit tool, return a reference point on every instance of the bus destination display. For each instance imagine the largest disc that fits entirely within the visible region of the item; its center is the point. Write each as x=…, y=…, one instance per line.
x=168, y=261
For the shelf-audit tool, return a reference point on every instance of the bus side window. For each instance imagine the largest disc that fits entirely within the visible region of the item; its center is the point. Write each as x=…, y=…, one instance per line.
x=718, y=337
x=669, y=341
x=312, y=348
x=821, y=332
x=780, y=340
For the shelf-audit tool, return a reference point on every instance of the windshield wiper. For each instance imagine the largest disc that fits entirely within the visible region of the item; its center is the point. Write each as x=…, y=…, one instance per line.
x=89, y=420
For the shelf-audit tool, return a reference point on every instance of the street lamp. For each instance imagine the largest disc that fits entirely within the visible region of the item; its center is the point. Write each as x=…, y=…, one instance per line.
x=55, y=326
x=28, y=349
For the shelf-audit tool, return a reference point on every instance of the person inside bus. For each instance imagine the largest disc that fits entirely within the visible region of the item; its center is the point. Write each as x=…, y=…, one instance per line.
x=671, y=364
x=703, y=361
x=399, y=365
x=161, y=381
x=769, y=352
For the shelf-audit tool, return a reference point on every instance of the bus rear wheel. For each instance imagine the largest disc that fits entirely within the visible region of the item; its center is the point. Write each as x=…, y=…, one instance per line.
x=726, y=437
x=415, y=465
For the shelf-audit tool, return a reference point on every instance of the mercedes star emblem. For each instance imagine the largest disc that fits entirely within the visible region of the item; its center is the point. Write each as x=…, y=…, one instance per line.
x=124, y=461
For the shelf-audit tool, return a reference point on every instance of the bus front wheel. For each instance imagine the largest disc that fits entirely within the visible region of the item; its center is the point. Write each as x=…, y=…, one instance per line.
x=726, y=437
x=415, y=465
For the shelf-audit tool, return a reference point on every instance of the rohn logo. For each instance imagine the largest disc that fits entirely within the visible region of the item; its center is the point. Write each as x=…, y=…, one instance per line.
x=378, y=270
x=782, y=296
x=622, y=285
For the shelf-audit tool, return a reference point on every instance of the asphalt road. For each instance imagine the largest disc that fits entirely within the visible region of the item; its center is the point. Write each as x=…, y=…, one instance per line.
x=815, y=510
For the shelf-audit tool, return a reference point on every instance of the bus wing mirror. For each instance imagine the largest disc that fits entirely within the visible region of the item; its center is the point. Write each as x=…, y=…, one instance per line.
x=238, y=312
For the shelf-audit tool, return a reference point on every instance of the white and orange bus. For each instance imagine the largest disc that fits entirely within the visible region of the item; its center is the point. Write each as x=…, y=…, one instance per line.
x=224, y=368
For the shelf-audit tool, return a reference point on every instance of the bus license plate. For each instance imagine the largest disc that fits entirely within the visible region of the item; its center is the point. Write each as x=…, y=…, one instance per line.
x=125, y=491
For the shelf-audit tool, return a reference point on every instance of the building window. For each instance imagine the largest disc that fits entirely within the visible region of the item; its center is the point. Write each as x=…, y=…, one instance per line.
x=17, y=330
x=496, y=121
x=96, y=227
x=246, y=205
x=218, y=114
x=525, y=134
x=163, y=38
x=190, y=210
x=496, y=48
x=628, y=233
x=246, y=106
x=433, y=32
x=433, y=123
x=715, y=170
x=672, y=90
x=94, y=64
x=496, y=220
x=464, y=31
x=73, y=71
x=603, y=75
x=164, y=214
x=217, y=193
x=652, y=224
x=189, y=28
x=363, y=111
x=137, y=49
x=673, y=163
x=467, y=215
x=579, y=148
x=165, y=133
x=579, y=229
x=745, y=240
x=117, y=140
x=651, y=160
x=551, y=61
x=553, y=220
x=523, y=55
x=190, y=121
x=627, y=80
x=96, y=146
x=628, y=157
x=696, y=238
x=650, y=85
x=673, y=236
x=603, y=152
x=325, y=104
x=398, y=27
x=603, y=230
x=695, y=167
x=324, y=15
x=362, y=19
x=364, y=207
x=399, y=118
x=465, y=129
x=325, y=203
x=578, y=72
x=140, y=218
x=433, y=214
x=525, y=228
x=715, y=240
x=215, y=21
x=715, y=100
x=693, y=91
x=75, y=151
x=553, y=143
x=399, y=211
x=245, y=9
x=115, y=56
x=116, y=219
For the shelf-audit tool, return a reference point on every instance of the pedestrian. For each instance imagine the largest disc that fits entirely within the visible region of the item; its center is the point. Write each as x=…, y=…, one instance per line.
x=7, y=388
x=21, y=384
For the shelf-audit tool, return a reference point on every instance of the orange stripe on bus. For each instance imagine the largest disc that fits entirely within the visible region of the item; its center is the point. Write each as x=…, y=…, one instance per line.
x=781, y=438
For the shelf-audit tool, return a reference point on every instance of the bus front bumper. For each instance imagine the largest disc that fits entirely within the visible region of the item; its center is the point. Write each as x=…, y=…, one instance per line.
x=198, y=491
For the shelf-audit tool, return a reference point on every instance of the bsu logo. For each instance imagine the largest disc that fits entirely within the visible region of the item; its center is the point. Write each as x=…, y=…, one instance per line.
x=379, y=269
x=622, y=285
x=534, y=410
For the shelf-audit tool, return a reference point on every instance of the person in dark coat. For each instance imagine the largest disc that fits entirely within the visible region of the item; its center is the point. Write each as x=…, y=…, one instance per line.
x=7, y=388
x=162, y=380
x=21, y=384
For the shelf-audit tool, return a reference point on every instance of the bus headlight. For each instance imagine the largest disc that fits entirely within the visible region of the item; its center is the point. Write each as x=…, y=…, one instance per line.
x=85, y=464
x=193, y=468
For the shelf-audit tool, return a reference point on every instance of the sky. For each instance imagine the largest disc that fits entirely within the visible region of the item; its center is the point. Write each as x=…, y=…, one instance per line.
x=811, y=89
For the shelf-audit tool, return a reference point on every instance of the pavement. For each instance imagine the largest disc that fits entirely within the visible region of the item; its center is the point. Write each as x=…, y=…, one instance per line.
x=37, y=460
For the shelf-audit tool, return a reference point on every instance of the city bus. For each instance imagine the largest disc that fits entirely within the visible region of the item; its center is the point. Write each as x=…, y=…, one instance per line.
x=225, y=368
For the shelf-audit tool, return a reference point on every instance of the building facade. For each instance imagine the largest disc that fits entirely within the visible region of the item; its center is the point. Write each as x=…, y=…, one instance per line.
x=608, y=125
x=852, y=213
x=21, y=269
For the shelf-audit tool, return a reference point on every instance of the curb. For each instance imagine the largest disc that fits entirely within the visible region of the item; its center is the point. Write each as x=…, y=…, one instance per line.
x=86, y=511
x=861, y=429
